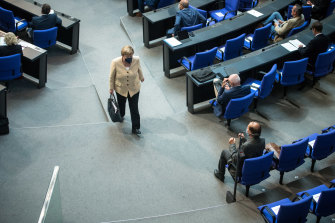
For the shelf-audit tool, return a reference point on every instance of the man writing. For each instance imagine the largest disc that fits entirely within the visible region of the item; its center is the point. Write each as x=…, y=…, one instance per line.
x=252, y=146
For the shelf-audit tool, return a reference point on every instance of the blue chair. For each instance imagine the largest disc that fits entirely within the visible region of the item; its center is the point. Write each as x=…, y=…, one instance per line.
x=331, y=8
x=306, y=10
x=232, y=48
x=9, y=23
x=229, y=11
x=191, y=28
x=291, y=156
x=332, y=184
x=320, y=146
x=255, y=170
x=292, y=74
x=237, y=107
x=298, y=29
x=323, y=65
x=289, y=211
x=164, y=3
x=10, y=67
x=199, y=60
x=323, y=202
x=263, y=88
x=246, y=5
x=45, y=38
x=259, y=39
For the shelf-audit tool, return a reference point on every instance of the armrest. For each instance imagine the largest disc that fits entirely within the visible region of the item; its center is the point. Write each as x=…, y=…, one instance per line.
x=221, y=53
x=18, y=23
x=227, y=14
x=189, y=62
x=273, y=215
x=296, y=141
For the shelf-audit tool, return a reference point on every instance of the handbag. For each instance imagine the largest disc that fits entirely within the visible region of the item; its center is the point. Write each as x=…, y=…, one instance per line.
x=113, y=109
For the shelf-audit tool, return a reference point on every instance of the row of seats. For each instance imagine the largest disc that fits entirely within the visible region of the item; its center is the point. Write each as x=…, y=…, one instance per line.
x=319, y=201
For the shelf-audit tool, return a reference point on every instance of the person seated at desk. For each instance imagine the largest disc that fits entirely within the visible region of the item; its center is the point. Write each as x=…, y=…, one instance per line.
x=319, y=44
x=319, y=8
x=47, y=20
x=252, y=146
x=11, y=46
x=230, y=88
x=151, y=3
x=186, y=17
x=281, y=28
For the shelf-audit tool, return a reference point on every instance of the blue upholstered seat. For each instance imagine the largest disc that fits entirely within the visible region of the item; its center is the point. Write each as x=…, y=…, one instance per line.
x=230, y=10
x=232, y=48
x=298, y=29
x=45, y=38
x=9, y=23
x=258, y=39
x=10, y=67
x=199, y=60
x=246, y=5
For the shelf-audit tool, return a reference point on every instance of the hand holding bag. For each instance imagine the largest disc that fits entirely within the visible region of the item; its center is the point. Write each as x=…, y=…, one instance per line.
x=113, y=109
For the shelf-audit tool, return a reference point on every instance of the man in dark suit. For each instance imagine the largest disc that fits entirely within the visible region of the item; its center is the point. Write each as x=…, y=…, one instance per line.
x=252, y=147
x=319, y=8
x=11, y=46
x=186, y=17
x=319, y=44
x=46, y=21
x=230, y=88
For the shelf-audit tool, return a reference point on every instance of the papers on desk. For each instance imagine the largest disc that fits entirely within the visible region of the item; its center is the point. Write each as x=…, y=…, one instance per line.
x=316, y=197
x=219, y=14
x=25, y=44
x=292, y=45
x=2, y=41
x=254, y=86
x=311, y=143
x=296, y=43
x=254, y=13
x=275, y=209
x=172, y=41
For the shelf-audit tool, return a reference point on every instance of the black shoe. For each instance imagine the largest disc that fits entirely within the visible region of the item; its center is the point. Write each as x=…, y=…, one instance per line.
x=219, y=175
x=136, y=131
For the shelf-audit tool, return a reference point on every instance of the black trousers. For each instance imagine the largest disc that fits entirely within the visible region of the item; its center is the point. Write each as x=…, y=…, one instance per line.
x=225, y=155
x=133, y=107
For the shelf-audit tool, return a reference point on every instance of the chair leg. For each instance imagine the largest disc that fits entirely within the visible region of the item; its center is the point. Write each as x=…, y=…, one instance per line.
x=255, y=103
x=228, y=122
x=247, y=187
x=281, y=177
x=313, y=164
x=318, y=219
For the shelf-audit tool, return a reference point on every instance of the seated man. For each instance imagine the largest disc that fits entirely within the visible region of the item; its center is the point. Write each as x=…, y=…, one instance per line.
x=252, y=147
x=11, y=46
x=230, y=88
x=281, y=28
x=319, y=8
x=319, y=44
x=151, y=3
x=46, y=21
x=186, y=17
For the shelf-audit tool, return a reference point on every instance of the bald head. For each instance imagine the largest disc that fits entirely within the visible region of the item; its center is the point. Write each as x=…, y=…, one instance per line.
x=234, y=80
x=183, y=4
x=254, y=129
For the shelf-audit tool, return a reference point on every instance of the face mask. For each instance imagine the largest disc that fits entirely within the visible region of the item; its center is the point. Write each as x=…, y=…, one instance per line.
x=129, y=60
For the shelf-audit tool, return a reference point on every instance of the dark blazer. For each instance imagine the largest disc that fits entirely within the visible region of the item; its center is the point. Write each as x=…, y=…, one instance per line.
x=45, y=21
x=224, y=96
x=188, y=17
x=319, y=44
x=320, y=8
x=10, y=50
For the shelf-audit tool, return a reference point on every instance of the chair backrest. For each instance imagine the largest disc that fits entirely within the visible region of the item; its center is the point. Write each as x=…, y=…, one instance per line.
x=294, y=212
x=326, y=203
x=232, y=5
x=331, y=8
x=306, y=10
x=10, y=67
x=293, y=72
x=247, y=4
x=256, y=169
x=45, y=38
x=7, y=21
x=233, y=47
x=292, y=155
x=238, y=106
x=267, y=82
x=324, y=63
x=298, y=29
x=191, y=28
x=261, y=37
x=163, y=3
x=324, y=145
x=204, y=59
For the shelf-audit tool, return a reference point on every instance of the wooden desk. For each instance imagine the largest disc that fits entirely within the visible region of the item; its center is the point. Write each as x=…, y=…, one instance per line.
x=68, y=33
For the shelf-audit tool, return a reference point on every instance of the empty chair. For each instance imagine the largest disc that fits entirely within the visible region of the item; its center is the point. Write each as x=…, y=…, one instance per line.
x=246, y=5
x=298, y=29
x=237, y=107
x=323, y=202
x=191, y=28
x=291, y=156
x=232, y=48
x=10, y=67
x=320, y=146
x=285, y=211
x=306, y=10
x=45, y=38
x=330, y=9
x=258, y=39
x=9, y=23
x=230, y=10
x=199, y=60
x=292, y=74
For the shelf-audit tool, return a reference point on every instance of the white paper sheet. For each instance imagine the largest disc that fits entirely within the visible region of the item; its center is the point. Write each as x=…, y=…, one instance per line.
x=311, y=143
x=254, y=13
x=296, y=43
x=219, y=14
x=19, y=24
x=172, y=41
x=275, y=209
x=289, y=46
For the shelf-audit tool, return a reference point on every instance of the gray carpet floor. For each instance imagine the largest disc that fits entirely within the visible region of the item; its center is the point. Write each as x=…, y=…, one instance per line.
x=108, y=174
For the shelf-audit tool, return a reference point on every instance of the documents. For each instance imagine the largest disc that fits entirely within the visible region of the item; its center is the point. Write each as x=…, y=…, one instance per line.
x=172, y=41
x=254, y=13
x=292, y=45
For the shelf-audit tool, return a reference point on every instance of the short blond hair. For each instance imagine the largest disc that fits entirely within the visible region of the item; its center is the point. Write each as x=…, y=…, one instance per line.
x=10, y=39
x=127, y=51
